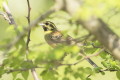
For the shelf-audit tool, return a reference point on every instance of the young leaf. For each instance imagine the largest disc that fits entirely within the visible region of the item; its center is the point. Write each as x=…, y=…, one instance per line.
x=14, y=74
x=118, y=75
x=25, y=74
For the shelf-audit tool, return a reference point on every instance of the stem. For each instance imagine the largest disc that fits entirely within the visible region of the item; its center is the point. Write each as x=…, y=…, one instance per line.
x=33, y=71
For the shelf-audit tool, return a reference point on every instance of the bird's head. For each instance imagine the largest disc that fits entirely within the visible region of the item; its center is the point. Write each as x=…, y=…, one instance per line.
x=48, y=26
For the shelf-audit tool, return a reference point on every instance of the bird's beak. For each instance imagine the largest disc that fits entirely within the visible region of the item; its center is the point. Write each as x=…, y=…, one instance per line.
x=41, y=24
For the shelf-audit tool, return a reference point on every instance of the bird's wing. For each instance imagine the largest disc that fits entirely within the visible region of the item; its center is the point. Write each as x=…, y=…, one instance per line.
x=58, y=37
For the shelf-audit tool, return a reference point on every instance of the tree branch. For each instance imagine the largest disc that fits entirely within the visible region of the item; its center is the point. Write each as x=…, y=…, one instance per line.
x=9, y=15
x=104, y=70
x=96, y=54
x=84, y=58
x=5, y=17
x=33, y=71
x=104, y=34
x=29, y=31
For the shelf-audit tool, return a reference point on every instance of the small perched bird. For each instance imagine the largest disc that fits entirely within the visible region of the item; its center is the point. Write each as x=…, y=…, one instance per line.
x=54, y=38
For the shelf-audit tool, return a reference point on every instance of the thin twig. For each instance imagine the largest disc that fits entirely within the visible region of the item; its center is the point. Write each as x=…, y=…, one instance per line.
x=84, y=58
x=33, y=71
x=111, y=70
x=85, y=37
x=9, y=15
x=96, y=54
x=29, y=31
x=94, y=46
x=5, y=17
x=73, y=63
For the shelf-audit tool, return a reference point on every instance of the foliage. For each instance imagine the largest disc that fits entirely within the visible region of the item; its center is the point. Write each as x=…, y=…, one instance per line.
x=53, y=64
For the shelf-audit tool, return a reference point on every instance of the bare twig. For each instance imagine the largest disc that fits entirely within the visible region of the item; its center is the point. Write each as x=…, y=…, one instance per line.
x=94, y=46
x=96, y=54
x=85, y=37
x=110, y=70
x=10, y=17
x=33, y=71
x=29, y=31
x=90, y=61
x=84, y=58
x=103, y=34
x=5, y=17
x=104, y=70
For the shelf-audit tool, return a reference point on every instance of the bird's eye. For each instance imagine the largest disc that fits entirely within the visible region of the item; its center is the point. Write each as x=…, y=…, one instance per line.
x=47, y=23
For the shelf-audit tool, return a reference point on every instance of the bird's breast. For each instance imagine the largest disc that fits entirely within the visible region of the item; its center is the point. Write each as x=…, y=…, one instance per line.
x=49, y=41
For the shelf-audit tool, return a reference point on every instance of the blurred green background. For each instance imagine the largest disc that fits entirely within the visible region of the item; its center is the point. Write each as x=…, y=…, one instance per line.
x=108, y=10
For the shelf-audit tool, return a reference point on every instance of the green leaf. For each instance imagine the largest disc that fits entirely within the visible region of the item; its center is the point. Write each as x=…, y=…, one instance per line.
x=14, y=74
x=103, y=55
x=76, y=75
x=65, y=78
x=49, y=65
x=27, y=64
x=105, y=64
x=59, y=54
x=88, y=79
x=75, y=49
x=25, y=74
x=113, y=63
x=51, y=56
x=15, y=63
x=103, y=73
x=6, y=61
x=118, y=74
x=43, y=72
x=88, y=70
x=79, y=57
x=2, y=71
x=48, y=75
x=68, y=70
x=18, y=79
x=97, y=69
x=90, y=50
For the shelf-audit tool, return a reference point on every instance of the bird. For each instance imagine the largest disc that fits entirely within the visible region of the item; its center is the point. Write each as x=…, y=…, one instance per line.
x=54, y=38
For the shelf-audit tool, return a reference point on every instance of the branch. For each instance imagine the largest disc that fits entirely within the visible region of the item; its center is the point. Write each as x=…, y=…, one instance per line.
x=70, y=64
x=29, y=31
x=111, y=70
x=83, y=38
x=104, y=34
x=96, y=54
x=33, y=71
x=9, y=15
x=84, y=58
x=5, y=17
